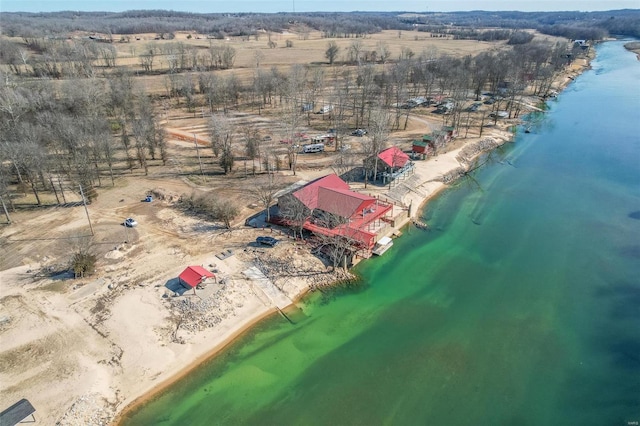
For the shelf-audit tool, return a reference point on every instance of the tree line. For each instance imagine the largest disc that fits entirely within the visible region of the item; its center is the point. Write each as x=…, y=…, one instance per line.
x=56, y=135
x=343, y=24
x=571, y=24
x=86, y=58
x=81, y=132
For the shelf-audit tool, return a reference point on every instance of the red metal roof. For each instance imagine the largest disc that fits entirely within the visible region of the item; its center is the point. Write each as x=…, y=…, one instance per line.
x=194, y=275
x=308, y=194
x=332, y=194
x=394, y=157
x=357, y=229
x=342, y=202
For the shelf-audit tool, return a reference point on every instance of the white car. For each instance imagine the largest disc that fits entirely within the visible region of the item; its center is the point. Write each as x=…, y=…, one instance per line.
x=130, y=222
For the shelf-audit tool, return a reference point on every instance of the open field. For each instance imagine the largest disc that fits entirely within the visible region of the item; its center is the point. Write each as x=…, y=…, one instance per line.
x=307, y=51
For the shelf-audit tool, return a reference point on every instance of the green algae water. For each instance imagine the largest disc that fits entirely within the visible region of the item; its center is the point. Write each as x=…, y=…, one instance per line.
x=521, y=305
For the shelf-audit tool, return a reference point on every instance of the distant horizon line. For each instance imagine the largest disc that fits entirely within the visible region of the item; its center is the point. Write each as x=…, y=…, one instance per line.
x=320, y=11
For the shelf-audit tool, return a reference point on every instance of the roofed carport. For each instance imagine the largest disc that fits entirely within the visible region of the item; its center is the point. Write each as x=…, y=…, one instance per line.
x=194, y=275
x=17, y=413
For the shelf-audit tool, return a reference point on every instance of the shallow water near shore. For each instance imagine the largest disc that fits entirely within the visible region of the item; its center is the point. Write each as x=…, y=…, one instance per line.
x=521, y=305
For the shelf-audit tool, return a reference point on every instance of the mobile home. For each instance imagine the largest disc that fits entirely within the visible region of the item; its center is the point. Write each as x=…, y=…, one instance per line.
x=313, y=147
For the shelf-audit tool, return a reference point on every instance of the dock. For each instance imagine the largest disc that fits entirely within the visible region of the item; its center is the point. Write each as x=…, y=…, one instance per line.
x=273, y=293
x=382, y=246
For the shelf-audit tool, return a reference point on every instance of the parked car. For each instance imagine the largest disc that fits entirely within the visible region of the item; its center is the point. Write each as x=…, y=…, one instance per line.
x=359, y=132
x=130, y=222
x=475, y=106
x=499, y=114
x=325, y=109
x=267, y=241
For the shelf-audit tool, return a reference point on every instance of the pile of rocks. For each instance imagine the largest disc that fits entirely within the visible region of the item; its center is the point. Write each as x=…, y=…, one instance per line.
x=470, y=151
x=88, y=410
x=200, y=314
x=452, y=175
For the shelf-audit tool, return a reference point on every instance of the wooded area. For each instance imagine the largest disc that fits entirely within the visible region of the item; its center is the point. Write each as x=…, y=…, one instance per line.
x=76, y=107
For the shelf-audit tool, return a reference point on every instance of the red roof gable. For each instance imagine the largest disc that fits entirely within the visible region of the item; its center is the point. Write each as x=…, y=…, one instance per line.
x=194, y=275
x=342, y=202
x=393, y=157
x=308, y=194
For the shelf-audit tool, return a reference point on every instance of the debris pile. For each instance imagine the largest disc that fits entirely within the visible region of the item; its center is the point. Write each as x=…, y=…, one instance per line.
x=452, y=175
x=471, y=150
x=198, y=314
x=88, y=410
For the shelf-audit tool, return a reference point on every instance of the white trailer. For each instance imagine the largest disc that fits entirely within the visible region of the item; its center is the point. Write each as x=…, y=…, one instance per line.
x=313, y=147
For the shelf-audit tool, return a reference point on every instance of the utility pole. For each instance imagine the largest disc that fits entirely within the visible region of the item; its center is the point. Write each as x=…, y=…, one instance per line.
x=54, y=190
x=64, y=199
x=6, y=213
x=195, y=140
x=84, y=201
x=126, y=233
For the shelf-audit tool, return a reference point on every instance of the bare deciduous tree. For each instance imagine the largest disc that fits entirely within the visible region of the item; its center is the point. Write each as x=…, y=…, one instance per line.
x=383, y=52
x=221, y=133
x=264, y=190
x=83, y=258
x=207, y=204
x=332, y=52
x=295, y=212
x=147, y=59
x=252, y=145
x=378, y=134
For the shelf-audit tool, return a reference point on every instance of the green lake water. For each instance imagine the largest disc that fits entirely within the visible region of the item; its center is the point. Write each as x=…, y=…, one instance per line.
x=521, y=305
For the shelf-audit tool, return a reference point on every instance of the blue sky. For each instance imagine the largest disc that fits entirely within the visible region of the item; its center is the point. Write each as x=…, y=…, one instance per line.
x=270, y=6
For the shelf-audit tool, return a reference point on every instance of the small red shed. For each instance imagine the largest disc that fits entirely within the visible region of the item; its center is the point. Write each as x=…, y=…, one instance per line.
x=419, y=147
x=194, y=275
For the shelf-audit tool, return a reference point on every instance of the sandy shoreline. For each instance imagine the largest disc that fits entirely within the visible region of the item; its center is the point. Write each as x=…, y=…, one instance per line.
x=219, y=345
x=429, y=171
x=447, y=162
x=156, y=389
x=132, y=358
x=106, y=363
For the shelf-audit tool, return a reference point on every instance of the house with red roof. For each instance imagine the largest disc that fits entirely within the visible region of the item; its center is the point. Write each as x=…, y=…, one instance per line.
x=328, y=207
x=194, y=276
x=389, y=164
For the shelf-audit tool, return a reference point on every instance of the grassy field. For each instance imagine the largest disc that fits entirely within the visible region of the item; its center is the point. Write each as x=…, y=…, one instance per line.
x=310, y=52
